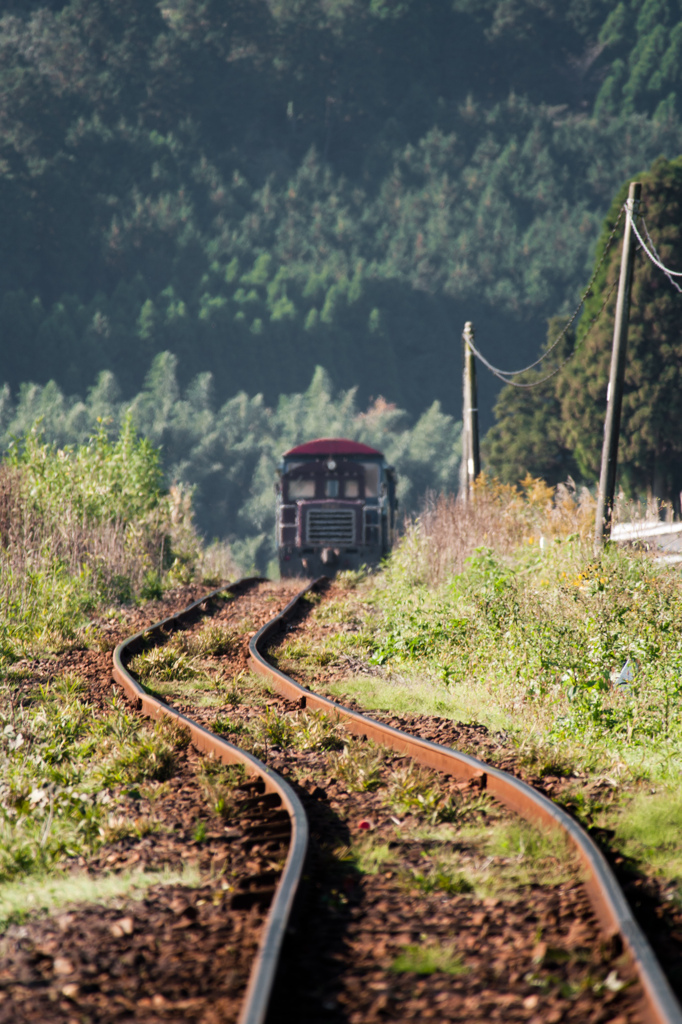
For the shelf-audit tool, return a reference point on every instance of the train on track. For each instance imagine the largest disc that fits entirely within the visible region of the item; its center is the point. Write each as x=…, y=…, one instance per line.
x=336, y=507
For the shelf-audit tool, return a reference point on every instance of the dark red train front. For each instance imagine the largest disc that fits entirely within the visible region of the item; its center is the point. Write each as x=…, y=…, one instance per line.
x=336, y=507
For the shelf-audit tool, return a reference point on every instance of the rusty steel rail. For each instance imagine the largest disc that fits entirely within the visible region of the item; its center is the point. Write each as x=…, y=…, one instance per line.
x=609, y=903
x=262, y=977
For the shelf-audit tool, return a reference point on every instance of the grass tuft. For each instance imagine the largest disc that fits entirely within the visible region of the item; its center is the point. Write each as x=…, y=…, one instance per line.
x=439, y=876
x=212, y=641
x=648, y=829
x=165, y=663
x=359, y=765
x=429, y=958
x=218, y=783
x=369, y=856
x=416, y=790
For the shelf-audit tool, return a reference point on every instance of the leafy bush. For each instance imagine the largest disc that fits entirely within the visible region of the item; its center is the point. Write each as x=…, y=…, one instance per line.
x=80, y=526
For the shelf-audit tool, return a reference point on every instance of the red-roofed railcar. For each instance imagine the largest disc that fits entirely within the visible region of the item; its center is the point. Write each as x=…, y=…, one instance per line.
x=336, y=507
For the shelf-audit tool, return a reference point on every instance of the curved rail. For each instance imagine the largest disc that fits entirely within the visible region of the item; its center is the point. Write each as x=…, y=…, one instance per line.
x=609, y=903
x=261, y=980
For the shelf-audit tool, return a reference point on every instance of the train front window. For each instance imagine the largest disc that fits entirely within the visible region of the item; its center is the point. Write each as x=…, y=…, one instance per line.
x=301, y=489
x=351, y=489
x=331, y=488
x=371, y=479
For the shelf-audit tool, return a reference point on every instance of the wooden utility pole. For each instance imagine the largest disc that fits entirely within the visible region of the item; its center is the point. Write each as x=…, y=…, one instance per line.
x=470, y=465
x=614, y=395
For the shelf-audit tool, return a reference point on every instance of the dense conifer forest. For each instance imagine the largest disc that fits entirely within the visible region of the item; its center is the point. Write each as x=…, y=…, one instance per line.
x=260, y=187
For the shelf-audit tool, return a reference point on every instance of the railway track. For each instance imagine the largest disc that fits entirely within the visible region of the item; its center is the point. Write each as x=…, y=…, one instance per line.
x=646, y=987
x=270, y=793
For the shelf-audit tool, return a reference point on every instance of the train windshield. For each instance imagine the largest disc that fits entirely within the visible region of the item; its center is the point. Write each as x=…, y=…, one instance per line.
x=301, y=489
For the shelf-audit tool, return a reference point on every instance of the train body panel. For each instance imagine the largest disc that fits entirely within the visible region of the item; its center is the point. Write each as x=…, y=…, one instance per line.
x=336, y=507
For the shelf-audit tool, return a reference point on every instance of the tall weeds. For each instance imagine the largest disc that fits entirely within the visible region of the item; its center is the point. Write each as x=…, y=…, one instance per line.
x=499, y=517
x=82, y=526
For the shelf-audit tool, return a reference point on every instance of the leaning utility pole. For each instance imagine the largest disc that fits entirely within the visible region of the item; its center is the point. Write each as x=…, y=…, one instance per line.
x=614, y=395
x=470, y=465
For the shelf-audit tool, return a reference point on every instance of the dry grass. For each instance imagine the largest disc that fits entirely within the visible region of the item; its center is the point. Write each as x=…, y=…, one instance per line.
x=500, y=517
x=110, y=552
x=217, y=564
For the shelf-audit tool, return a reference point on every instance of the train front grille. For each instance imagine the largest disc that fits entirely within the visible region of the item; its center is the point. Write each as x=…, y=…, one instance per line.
x=330, y=526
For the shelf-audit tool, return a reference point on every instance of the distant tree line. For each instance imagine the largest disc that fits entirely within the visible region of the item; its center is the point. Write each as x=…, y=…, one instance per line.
x=227, y=453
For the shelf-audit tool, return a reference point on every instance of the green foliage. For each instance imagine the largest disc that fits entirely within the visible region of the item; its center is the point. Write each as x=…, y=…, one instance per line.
x=102, y=480
x=429, y=958
x=650, y=454
x=276, y=730
x=438, y=876
x=305, y=732
x=57, y=800
x=556, y=429
x=415, y=790
x=528, y=435
x=648, y=830
x=80, y=525
x=318, y=731
x=370, y=857
x=642, y=52
x=359, y=765
x=213, y=640
x=218, y=783
x=547, y=634
x=169, y=662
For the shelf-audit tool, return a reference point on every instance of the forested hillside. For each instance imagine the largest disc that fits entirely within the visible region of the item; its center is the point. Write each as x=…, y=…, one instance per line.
x=263, y=186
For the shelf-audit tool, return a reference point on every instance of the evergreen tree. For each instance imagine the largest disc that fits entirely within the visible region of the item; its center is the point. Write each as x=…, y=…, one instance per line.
x=650, y=451
x=528, y=435
x=557, y=427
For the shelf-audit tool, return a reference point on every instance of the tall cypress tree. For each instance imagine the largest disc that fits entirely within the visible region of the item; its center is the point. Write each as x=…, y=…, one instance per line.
x=557, y=427
x=650, y=450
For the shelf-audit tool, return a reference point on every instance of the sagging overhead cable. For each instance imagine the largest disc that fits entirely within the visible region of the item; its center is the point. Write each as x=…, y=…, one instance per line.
x=506, y=375
x=652, y=254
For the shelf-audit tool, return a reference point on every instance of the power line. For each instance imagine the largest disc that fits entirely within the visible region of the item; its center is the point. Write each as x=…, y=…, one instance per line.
x=653, y=255
x=650, y=250
x=536, y=383
x=506, y=375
